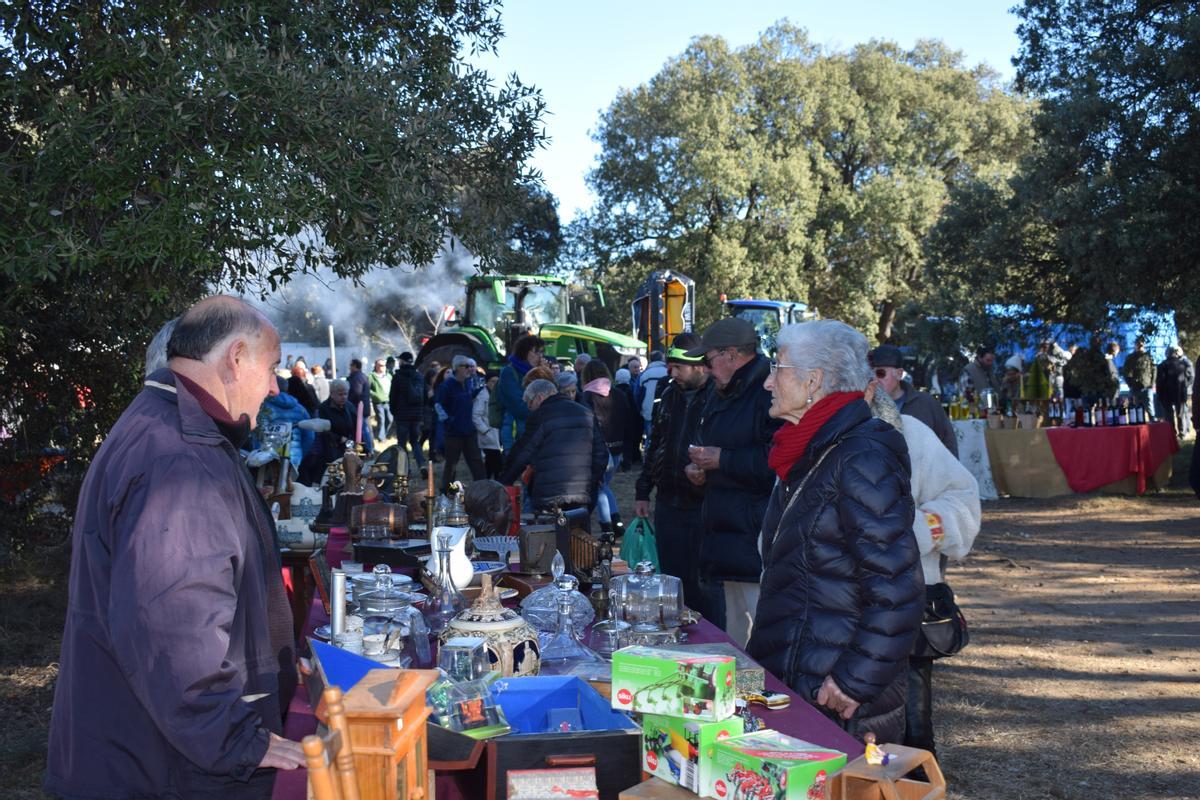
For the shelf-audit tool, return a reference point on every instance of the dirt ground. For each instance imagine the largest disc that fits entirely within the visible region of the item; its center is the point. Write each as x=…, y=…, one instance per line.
x=1082, y=679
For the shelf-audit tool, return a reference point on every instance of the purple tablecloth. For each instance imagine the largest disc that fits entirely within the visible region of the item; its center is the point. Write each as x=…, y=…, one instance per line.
x=799, y=719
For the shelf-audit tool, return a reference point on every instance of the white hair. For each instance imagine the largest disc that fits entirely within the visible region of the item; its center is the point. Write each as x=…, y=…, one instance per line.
x=460, y=360
x=338, y=385
x=566, y=380
x=833, y=347
x=539, y=389
x=582, y=358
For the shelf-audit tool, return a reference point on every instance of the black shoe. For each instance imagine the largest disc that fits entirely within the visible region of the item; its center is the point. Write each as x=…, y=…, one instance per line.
x=618, y=527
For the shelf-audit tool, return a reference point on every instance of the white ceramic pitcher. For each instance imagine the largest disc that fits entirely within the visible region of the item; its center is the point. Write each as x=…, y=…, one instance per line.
x=461, y=568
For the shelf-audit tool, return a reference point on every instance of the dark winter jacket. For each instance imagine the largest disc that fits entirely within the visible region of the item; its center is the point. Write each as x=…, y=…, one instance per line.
x=926, y=408
x=566, y=449
x=1171, y=381
x=842, y=593
x=407, y=396
x=611, y=414
x=676, y=418
x=359, y=389
x=457, y=400
x=306, y=394
x=633, y=423
x=735, y=496
x=168, y=681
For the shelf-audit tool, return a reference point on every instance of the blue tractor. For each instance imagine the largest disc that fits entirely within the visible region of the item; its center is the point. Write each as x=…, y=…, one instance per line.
x=768, y=316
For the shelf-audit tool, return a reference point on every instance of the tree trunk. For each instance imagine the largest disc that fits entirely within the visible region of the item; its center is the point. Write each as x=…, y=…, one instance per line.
x=887, y=318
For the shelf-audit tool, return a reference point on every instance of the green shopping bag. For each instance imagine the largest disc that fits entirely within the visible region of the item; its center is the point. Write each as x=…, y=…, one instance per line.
x=639, y=543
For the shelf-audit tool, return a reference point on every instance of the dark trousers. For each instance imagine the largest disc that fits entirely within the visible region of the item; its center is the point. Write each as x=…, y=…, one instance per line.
x=677, y=534
x=408, y=432
x=918, y=709
x=493, y=463
x=468, y=448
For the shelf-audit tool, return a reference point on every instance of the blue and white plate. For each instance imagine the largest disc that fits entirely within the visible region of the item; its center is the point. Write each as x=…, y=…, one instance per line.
x=486, y=568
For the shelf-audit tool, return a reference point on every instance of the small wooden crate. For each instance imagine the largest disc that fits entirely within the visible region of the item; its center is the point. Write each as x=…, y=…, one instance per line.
x=859, y=780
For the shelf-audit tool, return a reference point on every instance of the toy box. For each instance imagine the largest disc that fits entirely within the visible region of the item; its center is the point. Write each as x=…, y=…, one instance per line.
x=658, y=681
x=680, y=751
x=750, y=678
x=768, y=765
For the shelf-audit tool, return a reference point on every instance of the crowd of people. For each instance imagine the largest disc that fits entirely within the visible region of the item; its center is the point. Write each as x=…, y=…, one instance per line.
x=809, y=502
x=1089, y=375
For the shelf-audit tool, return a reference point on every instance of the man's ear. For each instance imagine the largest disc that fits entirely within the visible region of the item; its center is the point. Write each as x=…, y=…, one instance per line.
x=236, y=360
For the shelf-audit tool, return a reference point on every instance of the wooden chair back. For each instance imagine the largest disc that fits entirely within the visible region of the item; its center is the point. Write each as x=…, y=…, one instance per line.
x=331, y=773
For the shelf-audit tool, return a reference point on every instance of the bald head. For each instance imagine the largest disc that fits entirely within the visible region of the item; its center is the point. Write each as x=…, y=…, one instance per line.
x=230, y=350
x=213, y=321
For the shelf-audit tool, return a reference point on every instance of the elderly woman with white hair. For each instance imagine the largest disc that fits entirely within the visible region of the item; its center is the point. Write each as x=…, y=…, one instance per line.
x=841, y=590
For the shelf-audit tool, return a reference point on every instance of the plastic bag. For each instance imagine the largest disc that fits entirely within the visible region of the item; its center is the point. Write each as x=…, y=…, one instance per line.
x=639, y=543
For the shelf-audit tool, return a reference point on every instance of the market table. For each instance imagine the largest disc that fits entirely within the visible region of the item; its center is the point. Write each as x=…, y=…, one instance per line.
x=799, y=719
x=1049, y=462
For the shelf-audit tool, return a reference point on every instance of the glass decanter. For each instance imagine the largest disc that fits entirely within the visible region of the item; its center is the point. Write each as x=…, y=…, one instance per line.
x=445, y=601
x=540, y=607
x=564, y=654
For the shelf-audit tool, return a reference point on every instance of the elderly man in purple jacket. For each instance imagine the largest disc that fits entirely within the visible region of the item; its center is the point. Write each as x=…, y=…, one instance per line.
x=177, y=657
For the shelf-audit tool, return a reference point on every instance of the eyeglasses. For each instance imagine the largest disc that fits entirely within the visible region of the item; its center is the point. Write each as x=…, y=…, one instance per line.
x=776, y=366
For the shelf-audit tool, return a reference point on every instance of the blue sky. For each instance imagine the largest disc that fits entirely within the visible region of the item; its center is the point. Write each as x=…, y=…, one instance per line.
x=581, y=52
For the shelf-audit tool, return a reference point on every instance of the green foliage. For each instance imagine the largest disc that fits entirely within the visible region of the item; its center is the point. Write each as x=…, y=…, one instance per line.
x=155, y=150
x=782, y=170
x=1104, y=209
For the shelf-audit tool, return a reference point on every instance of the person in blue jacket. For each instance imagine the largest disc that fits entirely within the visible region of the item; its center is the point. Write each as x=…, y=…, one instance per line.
x=283, y=407
x=527, y=353
x=454, y=403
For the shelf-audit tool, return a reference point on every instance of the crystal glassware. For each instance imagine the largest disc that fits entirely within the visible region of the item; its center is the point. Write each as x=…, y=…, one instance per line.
x=647, y=601
x=445, y=601
x=564, y=654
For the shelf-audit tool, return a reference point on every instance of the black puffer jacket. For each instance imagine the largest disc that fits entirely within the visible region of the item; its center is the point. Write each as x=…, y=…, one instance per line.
x=842, y=593
x=407, y=395
x=736, y=495
x=676, y=418
x=566, y=449
x=611, y=411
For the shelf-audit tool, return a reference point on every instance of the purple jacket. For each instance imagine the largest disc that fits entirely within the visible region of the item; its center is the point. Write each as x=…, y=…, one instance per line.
x=168, y=681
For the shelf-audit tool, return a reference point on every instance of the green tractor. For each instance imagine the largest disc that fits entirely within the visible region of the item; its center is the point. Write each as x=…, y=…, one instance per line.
x=502, y=308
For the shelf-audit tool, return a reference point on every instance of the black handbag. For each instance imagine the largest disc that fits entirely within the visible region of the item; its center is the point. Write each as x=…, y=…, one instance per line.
x=943, y=630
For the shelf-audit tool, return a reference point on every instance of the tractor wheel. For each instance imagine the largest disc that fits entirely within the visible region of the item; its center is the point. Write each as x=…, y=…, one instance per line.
x=446, y=353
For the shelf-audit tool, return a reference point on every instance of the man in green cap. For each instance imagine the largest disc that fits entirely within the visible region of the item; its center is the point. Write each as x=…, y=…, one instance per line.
x=677, y=519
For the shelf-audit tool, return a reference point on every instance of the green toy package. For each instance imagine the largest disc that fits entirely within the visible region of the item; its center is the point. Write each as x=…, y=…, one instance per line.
x=768, y=765
x=657, y=681
x=680, y=751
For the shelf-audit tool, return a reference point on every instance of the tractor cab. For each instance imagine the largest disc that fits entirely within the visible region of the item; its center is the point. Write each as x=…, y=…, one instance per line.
x=768, y=316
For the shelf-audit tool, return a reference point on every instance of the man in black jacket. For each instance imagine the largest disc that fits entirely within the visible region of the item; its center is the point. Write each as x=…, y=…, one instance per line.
x=887, y=363
x=729, y=458
x=406, y=399
x=677, y=519
x=565, y=447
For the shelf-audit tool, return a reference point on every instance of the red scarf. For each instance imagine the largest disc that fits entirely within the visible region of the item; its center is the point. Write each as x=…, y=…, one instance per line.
x=792, y=439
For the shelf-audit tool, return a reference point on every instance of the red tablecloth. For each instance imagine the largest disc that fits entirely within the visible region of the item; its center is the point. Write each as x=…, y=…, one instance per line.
x=799, y=719
x=1095, y=457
